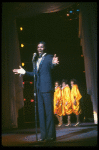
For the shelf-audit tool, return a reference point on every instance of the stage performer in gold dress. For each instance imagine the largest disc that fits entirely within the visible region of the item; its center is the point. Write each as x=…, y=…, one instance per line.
x=75, y=98
x=66, y=101
x=57, y=103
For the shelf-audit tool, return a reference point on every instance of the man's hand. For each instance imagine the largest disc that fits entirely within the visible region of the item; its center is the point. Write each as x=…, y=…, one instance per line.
x=19, y=71
x=55, y=59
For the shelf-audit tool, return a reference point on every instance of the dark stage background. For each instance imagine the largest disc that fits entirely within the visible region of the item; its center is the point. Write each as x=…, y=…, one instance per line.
x=60, y=32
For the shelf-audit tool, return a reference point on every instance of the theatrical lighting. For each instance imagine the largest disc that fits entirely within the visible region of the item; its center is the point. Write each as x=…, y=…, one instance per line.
x=95, y=117
x=70, y=11
x=82, y=55
x=23, y=64
x=22, y=45
x=67, y=14
x=31, y=82
x=32, y=100
x=21, y=28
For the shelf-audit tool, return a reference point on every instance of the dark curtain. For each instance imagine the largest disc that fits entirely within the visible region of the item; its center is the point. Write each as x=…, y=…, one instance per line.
x=12, y=90
x=88, y=36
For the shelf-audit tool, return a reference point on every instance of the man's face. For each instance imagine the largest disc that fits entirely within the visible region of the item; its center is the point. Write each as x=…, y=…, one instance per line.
x=40, y=49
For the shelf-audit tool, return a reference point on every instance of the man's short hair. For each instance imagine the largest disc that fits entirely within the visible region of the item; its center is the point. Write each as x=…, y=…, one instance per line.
x=42, y=42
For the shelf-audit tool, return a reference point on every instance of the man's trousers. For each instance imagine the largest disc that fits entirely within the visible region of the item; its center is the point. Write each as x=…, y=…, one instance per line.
x=46, y=116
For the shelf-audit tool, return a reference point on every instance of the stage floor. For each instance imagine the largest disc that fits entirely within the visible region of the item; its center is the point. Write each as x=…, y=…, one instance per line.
x=84, y=135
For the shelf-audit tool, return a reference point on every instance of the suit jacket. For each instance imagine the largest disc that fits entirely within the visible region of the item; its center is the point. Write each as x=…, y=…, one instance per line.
x=43, y=75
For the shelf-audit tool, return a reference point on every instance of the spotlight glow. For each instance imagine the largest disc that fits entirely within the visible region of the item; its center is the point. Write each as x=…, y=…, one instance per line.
x=32, y=100
x=67, y=14
x=95, y=117
x=23, y=64
x=22, y=45
x=21, y=28
x=71, y=11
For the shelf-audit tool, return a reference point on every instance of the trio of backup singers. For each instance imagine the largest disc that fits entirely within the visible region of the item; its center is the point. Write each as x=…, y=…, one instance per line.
x=67, y=101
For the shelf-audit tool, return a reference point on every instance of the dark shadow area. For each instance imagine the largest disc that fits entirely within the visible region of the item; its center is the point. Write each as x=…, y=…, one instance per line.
x=66, y=136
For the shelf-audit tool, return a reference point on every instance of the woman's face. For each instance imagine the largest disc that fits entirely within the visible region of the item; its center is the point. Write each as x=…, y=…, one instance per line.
x=63, y=84
x=72, y=83
x=56, y=84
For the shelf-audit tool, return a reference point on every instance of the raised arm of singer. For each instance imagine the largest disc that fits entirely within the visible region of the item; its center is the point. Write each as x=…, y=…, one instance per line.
x=44, y=64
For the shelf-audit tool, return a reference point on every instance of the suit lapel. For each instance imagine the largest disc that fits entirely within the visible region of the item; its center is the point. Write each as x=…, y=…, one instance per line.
x=41, y=62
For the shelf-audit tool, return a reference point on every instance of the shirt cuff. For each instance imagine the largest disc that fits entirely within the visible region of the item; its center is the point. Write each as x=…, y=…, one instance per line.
x=23, y=72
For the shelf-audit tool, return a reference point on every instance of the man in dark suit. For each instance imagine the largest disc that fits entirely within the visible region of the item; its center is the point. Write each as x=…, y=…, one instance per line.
x=44, y=65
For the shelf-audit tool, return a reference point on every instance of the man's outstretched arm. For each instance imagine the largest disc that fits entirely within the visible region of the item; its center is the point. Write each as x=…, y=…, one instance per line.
x=22, y=71
x=19, y=71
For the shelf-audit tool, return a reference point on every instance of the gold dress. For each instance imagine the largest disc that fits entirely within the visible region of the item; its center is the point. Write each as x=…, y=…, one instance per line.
x=66, y=101
x=75, y=98
x=57, y=102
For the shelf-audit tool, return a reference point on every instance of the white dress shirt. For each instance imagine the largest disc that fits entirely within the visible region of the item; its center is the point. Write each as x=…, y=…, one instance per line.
x=39, y=61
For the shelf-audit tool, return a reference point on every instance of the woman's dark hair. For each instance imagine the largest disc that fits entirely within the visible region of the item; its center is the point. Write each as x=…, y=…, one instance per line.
x=74, y=80
x=64, y=81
